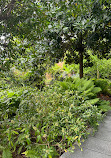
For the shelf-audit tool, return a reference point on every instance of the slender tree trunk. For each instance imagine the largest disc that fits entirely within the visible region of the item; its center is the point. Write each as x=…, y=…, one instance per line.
x=97, y=72
x=81, y=50
x=81, y=64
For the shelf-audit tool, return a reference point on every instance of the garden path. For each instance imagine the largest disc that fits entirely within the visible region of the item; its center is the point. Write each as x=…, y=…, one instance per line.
x=97, y=146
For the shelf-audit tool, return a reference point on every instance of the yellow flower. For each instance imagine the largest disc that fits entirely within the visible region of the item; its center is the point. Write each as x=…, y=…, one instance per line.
x=27, y=136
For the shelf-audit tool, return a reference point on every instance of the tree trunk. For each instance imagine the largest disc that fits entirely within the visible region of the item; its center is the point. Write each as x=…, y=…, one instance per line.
x=97, y=72
x=81, y=64
x=81, y=50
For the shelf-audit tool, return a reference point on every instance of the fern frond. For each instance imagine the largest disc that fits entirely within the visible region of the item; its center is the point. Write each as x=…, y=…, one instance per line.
x=96, y=90
x=6, y=153
x=93, y=101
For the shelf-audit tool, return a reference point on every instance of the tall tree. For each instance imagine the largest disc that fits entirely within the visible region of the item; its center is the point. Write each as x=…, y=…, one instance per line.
x=65, y=25
x=73, y=24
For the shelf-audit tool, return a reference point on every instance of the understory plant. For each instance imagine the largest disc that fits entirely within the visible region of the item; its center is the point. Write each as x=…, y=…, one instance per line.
x=10, y=100
x=104, y=84
x=48, y=122
x=101, y=68
x=61, y=71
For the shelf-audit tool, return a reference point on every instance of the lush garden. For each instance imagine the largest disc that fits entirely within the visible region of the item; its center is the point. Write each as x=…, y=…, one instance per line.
x=55, y=74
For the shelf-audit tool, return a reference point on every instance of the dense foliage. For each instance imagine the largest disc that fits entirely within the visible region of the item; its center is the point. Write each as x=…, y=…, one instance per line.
x=45, y=107
x=52, y=28
x=99, y=68
x=46, y=123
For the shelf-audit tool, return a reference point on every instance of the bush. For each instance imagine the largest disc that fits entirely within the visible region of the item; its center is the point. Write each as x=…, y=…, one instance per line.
x=10, y=100
x=104, y=84
x=48, y=122
x=104, y=105
x=61, y=71
x=103, y=66
x=32, y=78
x=85, y=88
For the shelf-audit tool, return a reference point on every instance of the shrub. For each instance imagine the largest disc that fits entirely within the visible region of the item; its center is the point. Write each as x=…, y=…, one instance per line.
x=104, y=84
x=61, y=71
x=48, y=122
x=85, y=88
x=10, y=100
x=104, y=105
x=102, y=66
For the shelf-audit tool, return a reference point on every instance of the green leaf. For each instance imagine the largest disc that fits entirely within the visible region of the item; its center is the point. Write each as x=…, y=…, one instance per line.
x=1, y=147
x=20, y=149
x=96, y=90
x=10, y=93
x=15, y=132
x=6, y=153
x=30, y=153
x=93, y=101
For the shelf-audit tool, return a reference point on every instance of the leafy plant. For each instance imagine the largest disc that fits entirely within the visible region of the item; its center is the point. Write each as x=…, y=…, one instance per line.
x=104, y=84
x=60, y=71
x=47, y=122
x=84, y=87
x=104, y=105
x=101, y=67
x=6, y=153
x=9, y=101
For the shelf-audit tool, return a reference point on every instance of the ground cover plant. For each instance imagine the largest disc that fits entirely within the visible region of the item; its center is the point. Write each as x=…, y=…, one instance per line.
x=47, y=122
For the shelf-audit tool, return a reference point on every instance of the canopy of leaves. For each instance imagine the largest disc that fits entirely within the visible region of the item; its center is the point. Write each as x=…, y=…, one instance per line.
x=76, y=25
x=53, y=27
